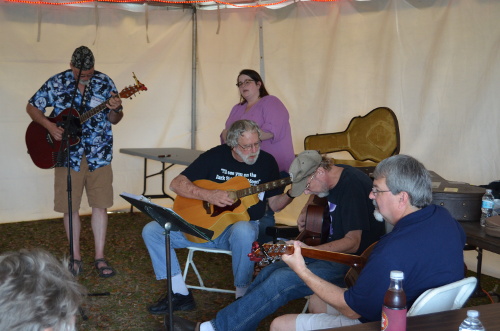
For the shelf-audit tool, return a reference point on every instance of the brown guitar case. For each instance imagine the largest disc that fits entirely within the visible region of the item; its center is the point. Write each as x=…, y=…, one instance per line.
x=462, y=200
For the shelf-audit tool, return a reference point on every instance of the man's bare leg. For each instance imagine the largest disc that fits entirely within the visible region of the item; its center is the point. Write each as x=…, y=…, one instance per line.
x=284, y=323
x=99, y=228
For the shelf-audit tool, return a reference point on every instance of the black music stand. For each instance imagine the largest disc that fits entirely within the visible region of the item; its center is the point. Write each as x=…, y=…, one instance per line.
x=170, y=221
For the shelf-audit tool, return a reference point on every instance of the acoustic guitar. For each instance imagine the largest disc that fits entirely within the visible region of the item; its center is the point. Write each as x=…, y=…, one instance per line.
x=270, y=253
x=217, y=219
x=45, y=151
x=317, y=223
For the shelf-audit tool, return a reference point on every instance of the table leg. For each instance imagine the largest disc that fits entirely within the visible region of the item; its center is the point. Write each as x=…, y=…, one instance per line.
x=146, y=176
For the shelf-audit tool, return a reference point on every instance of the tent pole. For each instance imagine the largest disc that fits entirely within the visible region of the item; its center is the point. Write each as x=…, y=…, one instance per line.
x=261, y=46
x=193, y=79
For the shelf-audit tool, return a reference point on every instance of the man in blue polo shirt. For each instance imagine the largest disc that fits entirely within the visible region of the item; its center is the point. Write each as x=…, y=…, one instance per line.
x=426, y=244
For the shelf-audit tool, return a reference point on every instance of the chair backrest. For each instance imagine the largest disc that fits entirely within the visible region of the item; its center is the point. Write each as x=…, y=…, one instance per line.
x=372, y=137
x=446, y=297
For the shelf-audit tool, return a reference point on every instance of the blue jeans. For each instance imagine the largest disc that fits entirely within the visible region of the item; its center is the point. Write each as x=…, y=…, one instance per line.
x=268, y=219
x=237, y=238
x=275, y=286
x=264, y=222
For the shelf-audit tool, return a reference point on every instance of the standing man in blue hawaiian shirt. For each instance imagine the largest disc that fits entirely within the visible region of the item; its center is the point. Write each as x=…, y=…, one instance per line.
x=90, y=158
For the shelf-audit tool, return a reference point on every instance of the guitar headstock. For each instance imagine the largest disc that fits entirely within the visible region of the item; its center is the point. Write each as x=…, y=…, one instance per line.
x=129, y=91
x=269, y=253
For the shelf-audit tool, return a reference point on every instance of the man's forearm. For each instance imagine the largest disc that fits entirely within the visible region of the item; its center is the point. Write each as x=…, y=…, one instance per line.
x=349, y=244
x=278, y=202
x=37, y=115
x=182, y=186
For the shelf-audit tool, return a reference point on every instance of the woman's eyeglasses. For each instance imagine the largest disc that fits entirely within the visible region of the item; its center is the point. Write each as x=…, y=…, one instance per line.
x=244, y=83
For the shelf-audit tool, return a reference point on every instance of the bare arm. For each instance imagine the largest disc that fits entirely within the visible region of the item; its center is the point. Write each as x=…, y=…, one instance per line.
x=278, y=202
x=266, y=135
x=328, y=292
x=114, y=103
x=348, y=244
x=182, y=186
x=37, y=116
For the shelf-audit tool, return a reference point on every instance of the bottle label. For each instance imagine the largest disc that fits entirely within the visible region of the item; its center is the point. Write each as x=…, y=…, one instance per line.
x=393, y=319
x=487, y=204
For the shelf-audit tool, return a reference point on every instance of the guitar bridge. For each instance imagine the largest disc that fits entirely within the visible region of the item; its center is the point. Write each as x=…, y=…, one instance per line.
x=206, y=206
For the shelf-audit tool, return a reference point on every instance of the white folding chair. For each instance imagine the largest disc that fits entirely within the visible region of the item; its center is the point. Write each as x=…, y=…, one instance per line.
x=446, y=297
x=190, y=262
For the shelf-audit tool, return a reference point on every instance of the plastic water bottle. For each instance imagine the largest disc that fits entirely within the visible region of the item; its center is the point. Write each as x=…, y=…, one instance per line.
x=487, y=206
x=471, y=323
x=394, y=308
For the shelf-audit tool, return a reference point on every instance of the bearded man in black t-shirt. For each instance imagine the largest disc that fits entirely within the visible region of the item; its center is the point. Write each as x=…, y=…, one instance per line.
x=240, y=157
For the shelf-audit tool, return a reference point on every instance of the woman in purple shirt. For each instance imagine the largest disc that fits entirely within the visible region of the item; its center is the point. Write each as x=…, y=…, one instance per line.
x=272, y=117
x=268, y=112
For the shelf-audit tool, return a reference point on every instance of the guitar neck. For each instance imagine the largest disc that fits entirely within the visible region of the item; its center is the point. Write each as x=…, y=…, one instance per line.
x=353, y=261
x=94, y=111
x=263, y=187
x=125, y=93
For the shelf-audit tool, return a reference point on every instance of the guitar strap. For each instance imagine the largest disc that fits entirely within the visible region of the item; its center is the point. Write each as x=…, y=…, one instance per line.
x=84, y=98
x=329, y=224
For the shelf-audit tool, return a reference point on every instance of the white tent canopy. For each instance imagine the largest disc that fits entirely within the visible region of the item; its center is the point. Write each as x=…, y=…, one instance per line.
x=435, y=63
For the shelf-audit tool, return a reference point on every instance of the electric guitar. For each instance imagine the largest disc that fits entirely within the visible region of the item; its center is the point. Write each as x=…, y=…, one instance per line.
x=270, y=253
x=217, y=219
x=45, y=151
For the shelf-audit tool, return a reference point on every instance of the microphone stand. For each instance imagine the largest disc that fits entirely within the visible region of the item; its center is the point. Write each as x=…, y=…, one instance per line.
x=72, y=128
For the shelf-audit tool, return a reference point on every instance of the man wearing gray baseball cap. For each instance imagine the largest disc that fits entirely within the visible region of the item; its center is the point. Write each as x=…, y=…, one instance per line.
x=353, y=228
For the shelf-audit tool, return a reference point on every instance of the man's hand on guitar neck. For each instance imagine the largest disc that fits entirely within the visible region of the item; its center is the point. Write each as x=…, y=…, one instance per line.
x=115, y=104
x=295, y=261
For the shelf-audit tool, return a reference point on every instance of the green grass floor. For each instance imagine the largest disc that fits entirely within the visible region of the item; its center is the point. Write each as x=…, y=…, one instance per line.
x=134, y=287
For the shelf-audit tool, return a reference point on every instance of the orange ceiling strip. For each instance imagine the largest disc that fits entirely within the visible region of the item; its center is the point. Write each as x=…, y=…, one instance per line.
x=37, y=2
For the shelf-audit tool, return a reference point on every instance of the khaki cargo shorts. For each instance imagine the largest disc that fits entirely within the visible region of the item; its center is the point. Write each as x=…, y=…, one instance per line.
x=98, y=185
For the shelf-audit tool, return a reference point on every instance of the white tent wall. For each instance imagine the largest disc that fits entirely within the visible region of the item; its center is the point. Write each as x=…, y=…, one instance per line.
x=434, y=62
x=152, y=118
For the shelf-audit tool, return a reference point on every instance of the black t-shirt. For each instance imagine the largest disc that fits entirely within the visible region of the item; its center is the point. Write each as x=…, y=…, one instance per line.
x=218, y=165
x=353, y=209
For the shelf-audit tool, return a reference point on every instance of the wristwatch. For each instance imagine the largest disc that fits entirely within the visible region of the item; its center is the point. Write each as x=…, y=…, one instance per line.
x=118, y=110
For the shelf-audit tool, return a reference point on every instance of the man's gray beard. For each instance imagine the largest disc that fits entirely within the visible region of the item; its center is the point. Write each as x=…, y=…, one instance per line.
x=246, y=157
x=84, y=82
x=322, y=194
x=378, y=215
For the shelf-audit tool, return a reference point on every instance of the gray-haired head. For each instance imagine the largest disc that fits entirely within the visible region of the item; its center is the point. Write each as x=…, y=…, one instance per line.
x=83, y=58
x=404, y=173
x=238, y=128
x=37, y=292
